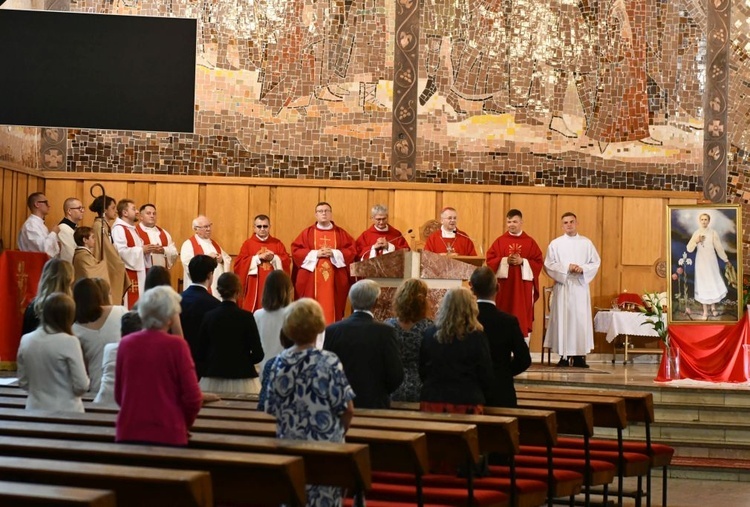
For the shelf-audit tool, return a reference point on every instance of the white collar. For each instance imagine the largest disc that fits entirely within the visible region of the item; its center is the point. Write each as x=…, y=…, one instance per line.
x=323, y=228
x=262, y=239
x=446, y=233
x=487, y=301
x=379, y=229
x=368, y=312
x=515, y=235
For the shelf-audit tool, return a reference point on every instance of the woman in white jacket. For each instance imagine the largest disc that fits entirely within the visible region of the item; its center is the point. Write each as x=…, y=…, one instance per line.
x=50, y=361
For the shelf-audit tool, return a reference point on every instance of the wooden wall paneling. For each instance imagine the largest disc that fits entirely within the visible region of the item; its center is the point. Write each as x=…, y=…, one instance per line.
x=611, y=250
x=227, y=208
x=642, y=231
x=7, y=220
x=641, y=279
x=412, y=208
x=379, y=196
x=293, y=210
x=115, y=189
x=59, y=190
x=350, y=209
x=471, y=216
x=177, y=207
x=496, y=210
x=142, y=192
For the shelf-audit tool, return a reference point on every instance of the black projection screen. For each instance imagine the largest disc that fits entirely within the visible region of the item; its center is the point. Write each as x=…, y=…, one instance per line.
x=62, y=69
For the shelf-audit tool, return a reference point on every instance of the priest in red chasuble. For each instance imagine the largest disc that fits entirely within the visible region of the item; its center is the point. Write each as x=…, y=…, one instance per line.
x=321, y=255
x=517, y=260
x=260, y=254
x=381, y=238
x=448, y=239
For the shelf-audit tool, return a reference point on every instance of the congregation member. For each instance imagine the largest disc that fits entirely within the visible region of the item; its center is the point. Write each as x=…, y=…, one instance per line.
x=265, y=374
x=449, y=239
x=454, y=360
x=322, y=254
x=165, y=252
x=517, y=261
x=229, y=344
x=277, y=295
x=50, y=361
x=97, y=324
x=317, y=378
x=34, y=235
x=131, y=248
x=156, y=385
x=411, y=307
x=72, y=216
x=156, y=276
x=572, y=262
x=201, y=243
x=367, y=349
x=259, y=256
x=105, y=208
x=85, y=265
x=381, y=238
x=508, y=351
x=196, y=300
x=130, y=323
x=57, y=276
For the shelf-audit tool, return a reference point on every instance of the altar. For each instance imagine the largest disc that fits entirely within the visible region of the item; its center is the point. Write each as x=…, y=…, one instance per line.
x=616, y=323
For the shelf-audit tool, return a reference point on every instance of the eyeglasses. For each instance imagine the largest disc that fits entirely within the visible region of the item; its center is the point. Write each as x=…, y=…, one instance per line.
x=262, y=226
x=43, y=202
x=79, y=208
x=204, y=226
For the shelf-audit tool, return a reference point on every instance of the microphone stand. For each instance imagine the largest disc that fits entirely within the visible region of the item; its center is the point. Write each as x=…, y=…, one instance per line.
x=100, y=213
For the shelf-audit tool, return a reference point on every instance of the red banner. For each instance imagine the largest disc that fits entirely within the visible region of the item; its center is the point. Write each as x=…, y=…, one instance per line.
x=19, y=278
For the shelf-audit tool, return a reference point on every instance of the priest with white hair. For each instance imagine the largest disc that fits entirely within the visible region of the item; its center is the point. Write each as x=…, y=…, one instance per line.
x=202, y=244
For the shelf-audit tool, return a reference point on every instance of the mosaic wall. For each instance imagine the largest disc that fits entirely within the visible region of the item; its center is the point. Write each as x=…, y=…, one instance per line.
x=521, y=92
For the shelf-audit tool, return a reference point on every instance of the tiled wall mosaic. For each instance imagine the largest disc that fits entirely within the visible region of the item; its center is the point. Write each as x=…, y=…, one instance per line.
x=522, y=92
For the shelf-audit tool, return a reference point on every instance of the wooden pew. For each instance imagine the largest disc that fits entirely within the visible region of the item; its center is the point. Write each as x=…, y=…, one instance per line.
x=608, y=412
x=389, y=450
x=639, y=409
x=132, y=486
x=236, y=477
x=536, y=427
x=19, y=494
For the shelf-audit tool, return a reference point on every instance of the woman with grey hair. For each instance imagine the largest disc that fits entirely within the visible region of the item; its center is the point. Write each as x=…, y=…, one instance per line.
x=155, y=381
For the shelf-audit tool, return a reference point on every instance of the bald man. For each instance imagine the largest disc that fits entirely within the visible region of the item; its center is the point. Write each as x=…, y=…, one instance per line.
x=73, y=210
x=202, y=244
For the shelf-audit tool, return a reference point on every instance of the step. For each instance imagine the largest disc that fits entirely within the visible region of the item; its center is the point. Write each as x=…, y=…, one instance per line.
x=705, y=469
x=706, y=413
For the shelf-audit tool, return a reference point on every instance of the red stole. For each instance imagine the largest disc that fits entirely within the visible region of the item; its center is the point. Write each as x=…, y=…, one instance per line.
x=198, y=249
x=325, y=285
x=134, y=291
x=147, y=241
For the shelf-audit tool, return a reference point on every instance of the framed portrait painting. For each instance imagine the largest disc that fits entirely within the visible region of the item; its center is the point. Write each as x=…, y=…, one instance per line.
x=704, y=264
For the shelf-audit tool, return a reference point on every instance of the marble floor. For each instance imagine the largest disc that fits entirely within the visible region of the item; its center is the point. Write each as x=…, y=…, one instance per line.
x=696, y=493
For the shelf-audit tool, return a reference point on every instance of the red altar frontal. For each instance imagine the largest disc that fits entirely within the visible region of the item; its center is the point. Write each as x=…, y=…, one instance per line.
x=710, y=353
x=19, y=278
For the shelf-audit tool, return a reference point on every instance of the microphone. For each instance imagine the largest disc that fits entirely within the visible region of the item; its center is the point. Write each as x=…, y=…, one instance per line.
x=459, y=233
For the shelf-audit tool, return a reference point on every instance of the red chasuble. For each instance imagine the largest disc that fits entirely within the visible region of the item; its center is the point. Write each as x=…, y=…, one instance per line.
x=367, y=239
x=328, y=285
x=460, y=245
x=515, y=295
x=252, y=285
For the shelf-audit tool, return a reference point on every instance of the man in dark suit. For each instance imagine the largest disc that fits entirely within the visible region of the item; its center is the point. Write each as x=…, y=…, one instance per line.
x=367, y=349
x=509, y=352
x=197, y=301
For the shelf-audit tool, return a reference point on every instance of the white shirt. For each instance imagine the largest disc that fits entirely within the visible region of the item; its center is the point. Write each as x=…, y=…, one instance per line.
x=35, y=237
x=67, y=243
x=94, y=340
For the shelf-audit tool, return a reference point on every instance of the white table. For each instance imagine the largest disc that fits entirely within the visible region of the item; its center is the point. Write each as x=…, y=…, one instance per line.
x=619, y=323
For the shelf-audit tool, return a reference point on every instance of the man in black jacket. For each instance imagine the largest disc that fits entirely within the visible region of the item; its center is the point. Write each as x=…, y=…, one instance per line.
x=509, y=352
x=367, y=349
x=197, y=301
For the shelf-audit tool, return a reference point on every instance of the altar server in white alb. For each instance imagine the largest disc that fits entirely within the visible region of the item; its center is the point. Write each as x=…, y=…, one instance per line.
x=165, y=254
x=131, y=249
x=572, y=262
x=202, y=244
x=34, y=235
